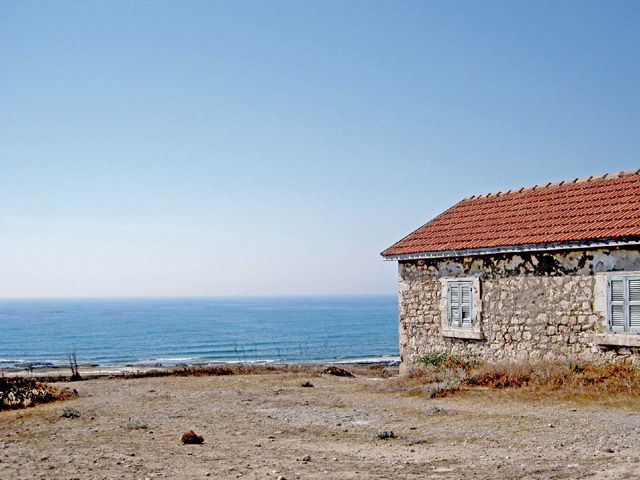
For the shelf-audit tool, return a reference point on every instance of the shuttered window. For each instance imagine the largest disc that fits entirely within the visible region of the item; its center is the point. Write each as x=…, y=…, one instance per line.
x=624, y=304
x=460, y=304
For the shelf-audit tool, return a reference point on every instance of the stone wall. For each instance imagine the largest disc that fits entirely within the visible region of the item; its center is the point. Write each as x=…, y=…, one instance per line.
x=549, y=306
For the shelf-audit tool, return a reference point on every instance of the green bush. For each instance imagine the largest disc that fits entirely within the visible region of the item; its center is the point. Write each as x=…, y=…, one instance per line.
x=447, y=360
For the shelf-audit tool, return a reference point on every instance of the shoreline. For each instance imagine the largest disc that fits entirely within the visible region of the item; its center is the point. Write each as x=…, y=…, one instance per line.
x=88, y=371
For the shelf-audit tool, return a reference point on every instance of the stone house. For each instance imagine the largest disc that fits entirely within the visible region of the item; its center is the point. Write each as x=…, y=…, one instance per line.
x=548, y=272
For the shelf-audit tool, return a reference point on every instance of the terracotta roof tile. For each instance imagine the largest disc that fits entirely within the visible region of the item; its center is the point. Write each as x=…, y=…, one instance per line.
x=593, y=208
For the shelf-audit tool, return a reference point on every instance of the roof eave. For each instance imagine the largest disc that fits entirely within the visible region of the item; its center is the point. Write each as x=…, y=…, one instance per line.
x=514, y=249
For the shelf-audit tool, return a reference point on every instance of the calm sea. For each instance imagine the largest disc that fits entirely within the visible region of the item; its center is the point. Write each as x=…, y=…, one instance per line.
x=174, y=331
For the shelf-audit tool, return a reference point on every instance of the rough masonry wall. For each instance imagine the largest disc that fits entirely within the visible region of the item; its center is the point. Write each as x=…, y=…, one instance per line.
x=534, y=305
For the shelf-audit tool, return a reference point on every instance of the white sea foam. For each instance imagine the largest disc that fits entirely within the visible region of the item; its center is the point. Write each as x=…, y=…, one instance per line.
x=171, y=360
x=380, y=359
x=236, y=362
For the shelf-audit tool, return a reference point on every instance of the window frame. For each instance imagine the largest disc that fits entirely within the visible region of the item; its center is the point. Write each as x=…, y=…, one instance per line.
x=474, y=329
x=626, y=304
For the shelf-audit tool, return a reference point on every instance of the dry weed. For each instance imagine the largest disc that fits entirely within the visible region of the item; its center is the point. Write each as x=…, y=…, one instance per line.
x=445, y=375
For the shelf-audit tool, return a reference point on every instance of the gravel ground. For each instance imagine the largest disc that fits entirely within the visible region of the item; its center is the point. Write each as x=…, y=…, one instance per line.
x=263, y=426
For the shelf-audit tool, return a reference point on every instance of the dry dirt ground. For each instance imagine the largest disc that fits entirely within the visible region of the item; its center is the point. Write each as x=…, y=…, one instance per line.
x=262, y=426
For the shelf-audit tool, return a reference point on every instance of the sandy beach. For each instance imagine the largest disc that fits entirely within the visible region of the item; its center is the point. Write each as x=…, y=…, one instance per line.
x=264, y=426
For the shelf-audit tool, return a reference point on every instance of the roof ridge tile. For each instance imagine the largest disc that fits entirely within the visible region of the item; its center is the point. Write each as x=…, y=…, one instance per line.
x=537, y=188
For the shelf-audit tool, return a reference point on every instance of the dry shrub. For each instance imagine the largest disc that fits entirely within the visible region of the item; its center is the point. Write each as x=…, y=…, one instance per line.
x=612, y=383
x=504, y=375
x=227, y=369
x=18, y=392
x=588, y=379
x=199, y=371
x=428, y=381
x=337, y=371
x=603, y=383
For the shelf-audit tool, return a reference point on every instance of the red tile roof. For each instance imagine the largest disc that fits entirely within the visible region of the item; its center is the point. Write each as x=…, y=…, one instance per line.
x=587, y=209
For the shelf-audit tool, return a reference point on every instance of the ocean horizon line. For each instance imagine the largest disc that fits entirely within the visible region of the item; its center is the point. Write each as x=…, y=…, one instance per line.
x=202, y=297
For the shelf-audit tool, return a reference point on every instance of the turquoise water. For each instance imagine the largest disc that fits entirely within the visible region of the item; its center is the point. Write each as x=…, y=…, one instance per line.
x=175, y=331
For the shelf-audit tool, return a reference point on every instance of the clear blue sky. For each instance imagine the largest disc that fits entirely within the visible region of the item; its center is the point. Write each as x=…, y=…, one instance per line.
x=156, y=148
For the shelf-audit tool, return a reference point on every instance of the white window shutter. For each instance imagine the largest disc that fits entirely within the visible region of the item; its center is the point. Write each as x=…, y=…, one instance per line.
x=617, y=318
x=454, y=305
x=634, y=304
x=634, y=318
x=460, y=298
x=634, y=290
x=617, y=290
x=465, y=305
x=617, y=304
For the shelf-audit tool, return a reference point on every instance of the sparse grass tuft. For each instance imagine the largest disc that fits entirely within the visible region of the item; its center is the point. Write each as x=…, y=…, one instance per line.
x=69, y=412
x=135, y=423
x=436, y=410
x=385, y=434
x=415, y=441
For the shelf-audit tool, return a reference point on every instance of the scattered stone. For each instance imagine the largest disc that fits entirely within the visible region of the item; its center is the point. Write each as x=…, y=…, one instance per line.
x=191, y=437
x=306, y=384
x=338, y=372
x=609, y=450
x=306, y=458
x=281, y=478
x=208, y=474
